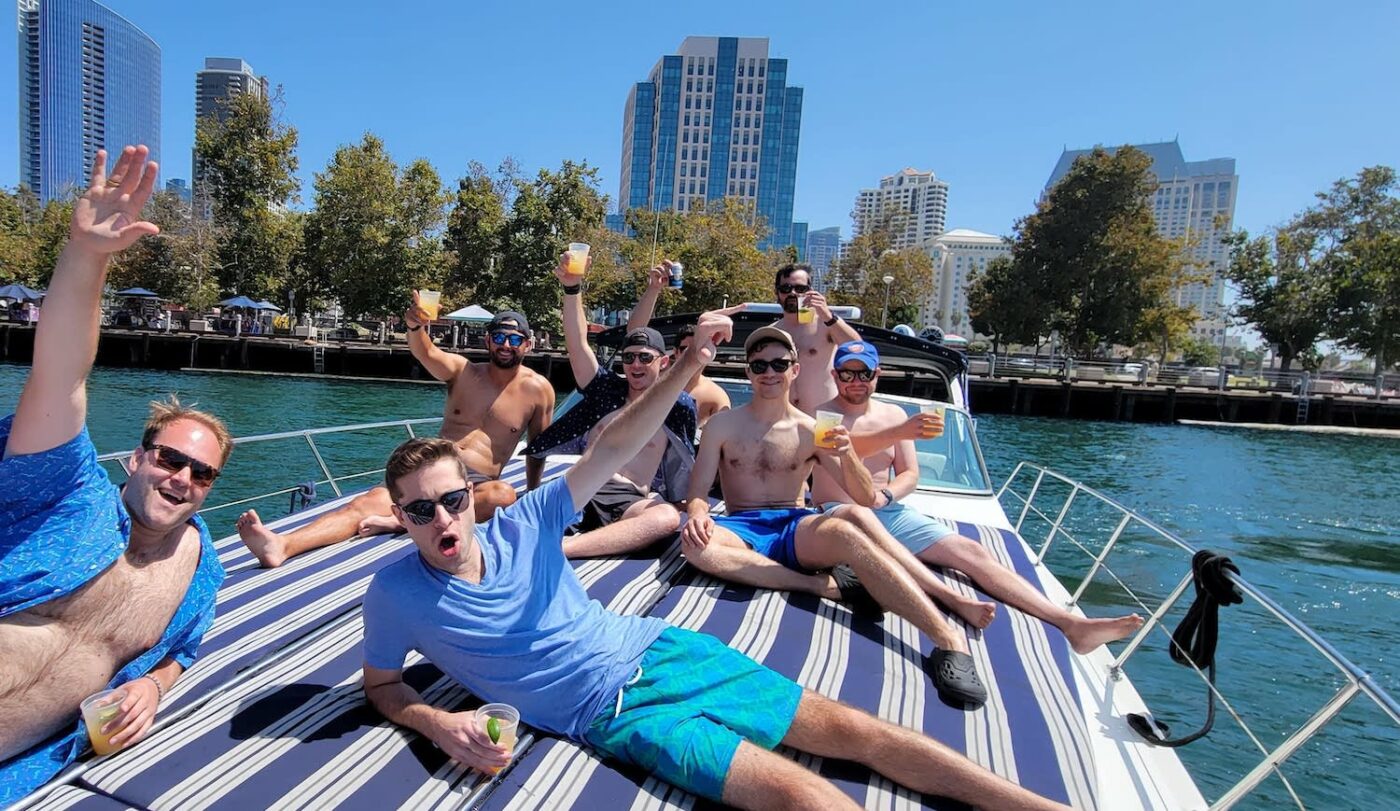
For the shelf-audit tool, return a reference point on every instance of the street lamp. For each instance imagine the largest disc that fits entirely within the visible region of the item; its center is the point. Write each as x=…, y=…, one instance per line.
x=888, y=280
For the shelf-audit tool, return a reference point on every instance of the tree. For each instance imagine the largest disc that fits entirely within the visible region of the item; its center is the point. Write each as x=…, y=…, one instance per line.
x=173, y=263
x=375, y=233
x=31, y=236
x=717, y=245
x=1001, y=303
x=1282, y=291
x=1198, y=352
x=858, y=277
x=247, y=159
x=1091, y=253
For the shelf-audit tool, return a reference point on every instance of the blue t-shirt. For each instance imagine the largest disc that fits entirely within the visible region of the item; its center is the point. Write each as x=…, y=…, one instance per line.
x=62, y=523
x=527, y=635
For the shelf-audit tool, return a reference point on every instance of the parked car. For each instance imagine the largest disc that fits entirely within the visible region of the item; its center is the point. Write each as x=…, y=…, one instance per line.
x=1203, y=376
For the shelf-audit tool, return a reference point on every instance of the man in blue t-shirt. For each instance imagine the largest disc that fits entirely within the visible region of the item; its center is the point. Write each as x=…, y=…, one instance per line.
x=99, y=587
x=498, y=608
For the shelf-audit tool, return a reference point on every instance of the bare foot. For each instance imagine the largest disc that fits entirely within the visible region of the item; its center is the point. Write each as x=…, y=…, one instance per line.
x=1087, y=634
x=974, y=612
x=378, y=525
x=266, y=545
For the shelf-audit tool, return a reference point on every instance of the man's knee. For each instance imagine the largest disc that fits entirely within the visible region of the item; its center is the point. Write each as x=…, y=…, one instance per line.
x=491, y=496
x=374, y=501
x=666, y=517
x=957, y=549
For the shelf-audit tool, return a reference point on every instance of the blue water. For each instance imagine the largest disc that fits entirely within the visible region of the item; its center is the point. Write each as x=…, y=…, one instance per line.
x=1312, y=519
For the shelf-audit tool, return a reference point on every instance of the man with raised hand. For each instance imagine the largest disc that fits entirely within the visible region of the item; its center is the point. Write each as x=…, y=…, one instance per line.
x=764, y=452
x=490, y=407
x=710, y=398
x=633, y=509
x=100, y=587
x=815, y=340
x=925, y=541
x=498, y=608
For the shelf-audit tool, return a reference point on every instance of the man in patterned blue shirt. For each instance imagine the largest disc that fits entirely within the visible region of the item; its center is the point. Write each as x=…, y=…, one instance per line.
x=99, y=586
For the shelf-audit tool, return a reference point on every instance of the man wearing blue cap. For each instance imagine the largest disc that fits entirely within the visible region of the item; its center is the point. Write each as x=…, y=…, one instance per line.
x=923, y=540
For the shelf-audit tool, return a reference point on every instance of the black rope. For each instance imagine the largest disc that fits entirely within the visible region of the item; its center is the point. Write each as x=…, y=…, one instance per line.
x=1194, y=641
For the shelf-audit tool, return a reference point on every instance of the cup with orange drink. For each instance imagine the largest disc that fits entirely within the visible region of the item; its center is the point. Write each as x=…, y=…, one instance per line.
x=939, y=410
x=500, y=722
x=805, y=313
x=827, y=421
x=578, y=258
x=431, y=302
x=98, y=710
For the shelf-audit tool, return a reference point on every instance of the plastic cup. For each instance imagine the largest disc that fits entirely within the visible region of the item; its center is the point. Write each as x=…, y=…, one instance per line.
x=805, y=314
x=98, y=709
x=430, y=301
x=934, y=408
x=826, y=422
x=578, y=258
x=506, y=716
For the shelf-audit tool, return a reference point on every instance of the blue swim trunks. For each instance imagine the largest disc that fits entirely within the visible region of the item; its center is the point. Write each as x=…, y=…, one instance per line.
x=692, y=702
x=771, y=533
x=910, y=527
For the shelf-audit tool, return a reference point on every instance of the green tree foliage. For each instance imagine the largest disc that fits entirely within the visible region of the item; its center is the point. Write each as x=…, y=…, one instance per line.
x=31, y=237
x=717, y=245
x=375, y=233
x=1001, y=303
x=1091, y=253
x=249, y=169
x=1198, y=352
x=1283, y=293
x=858, y=277
x=174, y=263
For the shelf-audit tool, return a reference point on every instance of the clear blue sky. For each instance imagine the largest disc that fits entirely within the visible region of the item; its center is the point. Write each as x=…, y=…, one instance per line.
x=984, y=93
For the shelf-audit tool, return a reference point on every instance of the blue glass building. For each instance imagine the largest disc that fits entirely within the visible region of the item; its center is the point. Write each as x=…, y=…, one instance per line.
x=716, y=120
x=88, y=79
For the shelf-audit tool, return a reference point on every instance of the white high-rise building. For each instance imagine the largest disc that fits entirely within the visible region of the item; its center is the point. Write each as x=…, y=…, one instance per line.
x=956, y=255
x=920, y=197
x=1195, y=200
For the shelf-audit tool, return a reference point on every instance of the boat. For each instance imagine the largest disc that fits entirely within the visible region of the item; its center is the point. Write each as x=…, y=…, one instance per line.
x=272, y=715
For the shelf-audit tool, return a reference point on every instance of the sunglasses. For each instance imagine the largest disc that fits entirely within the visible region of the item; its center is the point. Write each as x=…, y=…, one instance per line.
x=644, y=358
x=848, y=375
x=502, y=338
x=174, y=461
x=786, y=288
x=779, y=365
x=423, y=510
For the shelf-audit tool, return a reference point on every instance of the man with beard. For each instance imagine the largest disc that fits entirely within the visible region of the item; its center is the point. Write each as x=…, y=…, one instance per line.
x=710, y=398
x=99, y=587
x=490, y=407
x=633, y=509
x=816, y=340
x=927, y=540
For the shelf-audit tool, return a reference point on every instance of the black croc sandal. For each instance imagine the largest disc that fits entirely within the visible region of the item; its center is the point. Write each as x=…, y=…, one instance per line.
x=855, y=595
x=955, y=676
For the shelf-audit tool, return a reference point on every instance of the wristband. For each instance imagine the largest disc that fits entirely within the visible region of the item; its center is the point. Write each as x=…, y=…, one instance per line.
x=160, y=690
x=572, y=289
x=415, y=329
x=889, y=497
x=832, y=322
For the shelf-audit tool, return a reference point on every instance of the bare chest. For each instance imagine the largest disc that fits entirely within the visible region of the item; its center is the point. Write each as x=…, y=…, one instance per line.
x=776, y=453
x=474, y=403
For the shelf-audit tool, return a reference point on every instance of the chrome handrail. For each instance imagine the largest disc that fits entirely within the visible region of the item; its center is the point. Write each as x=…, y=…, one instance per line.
x=1358, y=681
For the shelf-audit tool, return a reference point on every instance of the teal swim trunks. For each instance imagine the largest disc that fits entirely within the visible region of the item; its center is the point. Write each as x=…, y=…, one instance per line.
x=688, y=707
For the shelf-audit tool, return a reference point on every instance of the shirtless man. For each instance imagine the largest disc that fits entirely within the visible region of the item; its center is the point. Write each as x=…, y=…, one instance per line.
x=624, y=515
x=490, y=407
x=927, y=541
x=815, y=341
x=99, y=587
x=763, y=452
x=710, y=398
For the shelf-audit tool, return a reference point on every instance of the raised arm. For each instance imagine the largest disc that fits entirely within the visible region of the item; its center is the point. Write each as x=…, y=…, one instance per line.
x=628, y=433
x=917, y=426
x=444, y=366
x=839, y=332
x=53, y=406
x=646, y=305
x=581, y=359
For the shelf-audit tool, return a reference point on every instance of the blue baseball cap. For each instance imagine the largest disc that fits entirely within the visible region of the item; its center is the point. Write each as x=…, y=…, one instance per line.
x=856, y=350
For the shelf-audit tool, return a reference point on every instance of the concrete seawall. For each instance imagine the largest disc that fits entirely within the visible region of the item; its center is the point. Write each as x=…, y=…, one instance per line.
x=1030, y=397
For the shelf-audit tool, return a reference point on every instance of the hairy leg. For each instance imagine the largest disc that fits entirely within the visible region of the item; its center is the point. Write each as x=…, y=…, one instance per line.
x=272, y=548
x=641, y=525
x=825, y=540
x=969, y=557
x=830, y=729
x=975, y=612
x=728, y=558
x=760, y=779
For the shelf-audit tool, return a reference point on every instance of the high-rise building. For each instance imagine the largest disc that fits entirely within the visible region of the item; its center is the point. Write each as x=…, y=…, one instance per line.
x=956, y=254
x=1195, y=200
x=222, y=79
x=718, y=119
x=823, y=246
x=179, y=187
x=88, y=79
x=919, y=199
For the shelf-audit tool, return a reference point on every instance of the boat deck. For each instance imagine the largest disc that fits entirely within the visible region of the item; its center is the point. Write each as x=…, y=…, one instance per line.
x=273, y=714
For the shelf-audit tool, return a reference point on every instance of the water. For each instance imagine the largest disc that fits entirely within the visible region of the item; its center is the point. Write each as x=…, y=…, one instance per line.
x=1313, y=519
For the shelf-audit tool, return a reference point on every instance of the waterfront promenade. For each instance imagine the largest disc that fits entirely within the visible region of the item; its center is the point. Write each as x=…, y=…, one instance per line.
x=1026, y=396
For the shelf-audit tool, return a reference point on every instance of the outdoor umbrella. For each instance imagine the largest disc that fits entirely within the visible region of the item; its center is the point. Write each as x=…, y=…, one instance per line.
x=19, y=292
x=137, y=292
x=239, y=301
x=267, y=305
x=472, y=314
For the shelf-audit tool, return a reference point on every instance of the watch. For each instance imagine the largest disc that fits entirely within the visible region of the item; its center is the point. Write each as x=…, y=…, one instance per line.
x=415, y=329
x=889, y=497
x=572, y=290
x=833, y=321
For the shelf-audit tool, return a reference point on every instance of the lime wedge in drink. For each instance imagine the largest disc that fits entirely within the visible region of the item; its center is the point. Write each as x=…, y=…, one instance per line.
x=493, y=728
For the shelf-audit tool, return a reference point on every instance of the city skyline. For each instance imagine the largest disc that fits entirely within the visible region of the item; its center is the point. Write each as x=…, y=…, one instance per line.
x=998, y=100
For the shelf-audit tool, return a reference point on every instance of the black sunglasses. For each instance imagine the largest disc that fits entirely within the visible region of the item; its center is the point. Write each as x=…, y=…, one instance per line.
x=512, y=338
x=786, y=288
x=168, y=458
x=863, y=375
x=423, y=510
x=779, y=365
x=644, y=358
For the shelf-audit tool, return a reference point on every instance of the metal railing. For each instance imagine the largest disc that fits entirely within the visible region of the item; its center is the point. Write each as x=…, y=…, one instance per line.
x=1356, y=681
